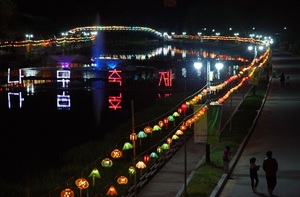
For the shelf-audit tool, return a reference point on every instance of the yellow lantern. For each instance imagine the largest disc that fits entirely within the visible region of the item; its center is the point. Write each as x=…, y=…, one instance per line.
x=82, y=183
x=107, y=162
x=133, y=136
x=116, y=154
x=67, y=193
x=131, y=170
x=122, y=180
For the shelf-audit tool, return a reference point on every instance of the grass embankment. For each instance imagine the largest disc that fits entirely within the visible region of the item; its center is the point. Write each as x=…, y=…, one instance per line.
x=207, y=175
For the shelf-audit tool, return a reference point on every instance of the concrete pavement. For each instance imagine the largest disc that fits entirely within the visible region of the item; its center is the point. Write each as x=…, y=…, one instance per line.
x=278, y=130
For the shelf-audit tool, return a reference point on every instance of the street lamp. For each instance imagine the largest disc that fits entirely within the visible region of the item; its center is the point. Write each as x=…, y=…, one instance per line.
x=28, y=36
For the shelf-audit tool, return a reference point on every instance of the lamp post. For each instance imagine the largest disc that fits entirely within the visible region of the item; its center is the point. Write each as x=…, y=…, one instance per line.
x=133, y=137
x=28, y=37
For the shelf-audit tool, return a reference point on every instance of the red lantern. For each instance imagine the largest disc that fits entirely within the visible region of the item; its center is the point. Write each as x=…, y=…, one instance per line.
x=166, y=121
x=179, y=110
x=184, y=107
x=147, y=158
x=112, y=191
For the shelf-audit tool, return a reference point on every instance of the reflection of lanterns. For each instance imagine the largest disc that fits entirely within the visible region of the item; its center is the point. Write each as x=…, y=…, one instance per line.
x=148, y=129
x=67, y=193
x=95, y=174
x=116, y=154
x=122, y=180
x=147, y=158
x=131, y=170
x=160, y=123
x=182, y=127
x=112, y=191
x=106, y=163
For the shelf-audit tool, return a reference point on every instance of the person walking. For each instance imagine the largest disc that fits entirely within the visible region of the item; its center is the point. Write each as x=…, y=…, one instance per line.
x=226, y=159
x=282, y=79
x=270, y=167
x=253, y=173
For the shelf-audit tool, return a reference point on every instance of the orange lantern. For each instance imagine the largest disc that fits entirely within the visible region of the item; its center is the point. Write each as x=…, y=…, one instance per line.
x=133, y=136
x=82, y=183
x=147, y=158
x=148, y=129
x=107, y=162
x=182, y=127
x=169, y=140
x=116, y=154
x=67, y=193
x=122, y=180
x=112, y=191
x=160, y=124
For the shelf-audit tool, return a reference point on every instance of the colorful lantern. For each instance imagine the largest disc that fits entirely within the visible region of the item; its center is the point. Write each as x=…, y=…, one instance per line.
x=148, y=129
x=95, y=174
x=116, y=154
x=122, y=180
x=179, y=132
x=131, y=170
x=82, y=183
x=153, y=155
x=169, y=141
x=147, y=158
x=67, y=193
x=141, y=135
x=140, y=165
x=156, y=128
x=106, y=163
x=133, y=136
x=160, y=123
x=112, y=191
x=159, y=149
x=127, y=146
x=165, y=146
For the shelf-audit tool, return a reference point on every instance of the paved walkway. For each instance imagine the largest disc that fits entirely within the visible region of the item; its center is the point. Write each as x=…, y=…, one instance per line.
x=277, y=129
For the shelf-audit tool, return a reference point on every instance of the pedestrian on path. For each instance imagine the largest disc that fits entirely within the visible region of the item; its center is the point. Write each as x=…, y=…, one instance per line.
x=253, y=173
x=270, y=167
x=282, y=79
x=226, y=159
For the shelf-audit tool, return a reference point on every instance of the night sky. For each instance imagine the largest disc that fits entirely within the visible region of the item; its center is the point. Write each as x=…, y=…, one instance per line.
x=188, y=15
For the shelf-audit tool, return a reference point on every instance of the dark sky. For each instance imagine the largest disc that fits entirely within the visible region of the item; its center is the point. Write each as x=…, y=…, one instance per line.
x=188, y=15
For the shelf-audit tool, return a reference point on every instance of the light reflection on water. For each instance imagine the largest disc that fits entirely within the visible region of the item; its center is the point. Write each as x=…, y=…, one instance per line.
x=46, y=118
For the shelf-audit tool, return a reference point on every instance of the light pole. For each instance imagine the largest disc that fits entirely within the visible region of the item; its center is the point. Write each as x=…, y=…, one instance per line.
x=28, y=37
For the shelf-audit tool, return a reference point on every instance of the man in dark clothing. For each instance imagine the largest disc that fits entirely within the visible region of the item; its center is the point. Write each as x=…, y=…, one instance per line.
x=270, y=167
